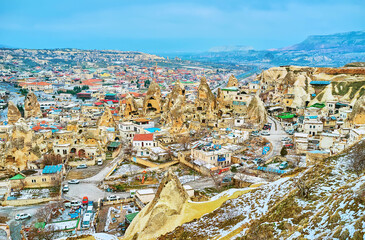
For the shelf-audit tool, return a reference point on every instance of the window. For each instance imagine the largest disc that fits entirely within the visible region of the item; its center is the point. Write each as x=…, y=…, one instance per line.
x=33, y=180
x=53, y=178
x=44, y=180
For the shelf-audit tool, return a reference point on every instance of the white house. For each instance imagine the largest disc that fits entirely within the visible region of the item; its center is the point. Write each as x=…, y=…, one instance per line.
x=313, y=126
x=142, y=143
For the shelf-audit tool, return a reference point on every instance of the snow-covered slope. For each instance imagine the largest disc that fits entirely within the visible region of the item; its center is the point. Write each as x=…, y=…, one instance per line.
x=334, y=208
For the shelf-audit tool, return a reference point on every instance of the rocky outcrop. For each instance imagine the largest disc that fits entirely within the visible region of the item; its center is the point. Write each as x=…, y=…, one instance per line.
x=357, y=116
x=256, y=112
x=174, y=109
x=162, y=214
x=152, y=101
x=177, y=91
x=107, y=119
x=131, y=107
x=205, y=100
x=13, y=113
x=19, y=148
x=232, y=82
x=32, y=107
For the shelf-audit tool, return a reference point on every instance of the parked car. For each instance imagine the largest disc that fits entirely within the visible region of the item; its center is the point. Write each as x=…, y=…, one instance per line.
x=75, y=203
x=255, y=133
x=258, y=161
x=22, y=216
x=74, y=181
x=65, y=188
x=100, y=162
x=284, y=139
x=283, y=165
x=85, y=201
x=81, y=166
x=289, y=145
x=113, y=198
x=265, y=133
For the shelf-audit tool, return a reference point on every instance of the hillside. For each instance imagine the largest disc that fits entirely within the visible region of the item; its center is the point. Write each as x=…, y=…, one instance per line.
x=350, y=41
x=333, y=208
x=333, y=50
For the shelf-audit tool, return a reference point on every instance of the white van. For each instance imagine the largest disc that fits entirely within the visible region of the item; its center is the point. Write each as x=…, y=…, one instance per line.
x=86, y=221
x=89, y=209
x=75, y=203
x=100, y=162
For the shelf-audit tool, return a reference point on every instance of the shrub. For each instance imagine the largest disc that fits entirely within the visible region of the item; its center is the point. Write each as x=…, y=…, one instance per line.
x=283, y=151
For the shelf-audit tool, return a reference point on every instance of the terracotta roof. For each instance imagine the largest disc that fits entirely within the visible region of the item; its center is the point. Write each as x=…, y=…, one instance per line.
x=143, y=137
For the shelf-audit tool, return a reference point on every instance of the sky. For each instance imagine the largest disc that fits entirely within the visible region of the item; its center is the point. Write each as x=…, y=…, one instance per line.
x=157, y=26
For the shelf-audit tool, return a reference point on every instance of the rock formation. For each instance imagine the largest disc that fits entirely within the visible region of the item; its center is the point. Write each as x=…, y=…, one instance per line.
x=174, y=109
x=357, y=116
x=19, y=148
x=256, y=112
x=178, y=90
x=205, y=100
x=162, y=214
x=32, y=107
x=107, y=119
x=152, y=101
x=13, y=113
x=176, y=116
x=324, y=96
x=131, y=107
x=232, y=82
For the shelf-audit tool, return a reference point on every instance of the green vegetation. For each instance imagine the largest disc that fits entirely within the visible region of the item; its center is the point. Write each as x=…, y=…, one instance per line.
x=286, y=115
x=342, y=88
x=283, y=151
x=77, y=89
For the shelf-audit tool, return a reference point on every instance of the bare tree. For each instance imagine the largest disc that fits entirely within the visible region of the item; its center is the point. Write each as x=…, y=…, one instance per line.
x=217, y=181
x=304, y=189
x=357, y=158
x=52, y=159
x=184, y=141
x=47, y=233
x=128, y=152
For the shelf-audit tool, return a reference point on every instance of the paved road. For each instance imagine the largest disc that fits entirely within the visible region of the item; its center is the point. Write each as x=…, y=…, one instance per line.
x=16, y=226
x=276, y=134
x=89, y=186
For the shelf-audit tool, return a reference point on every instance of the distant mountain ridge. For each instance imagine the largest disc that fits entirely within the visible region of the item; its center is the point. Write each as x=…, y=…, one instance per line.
x=334, y=50
x=350, y=40
x=230, y=48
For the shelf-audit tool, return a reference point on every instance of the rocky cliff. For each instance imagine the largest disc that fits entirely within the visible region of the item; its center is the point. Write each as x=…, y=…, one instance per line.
x=31, y=106
x=13, y=113
x=346, y=84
